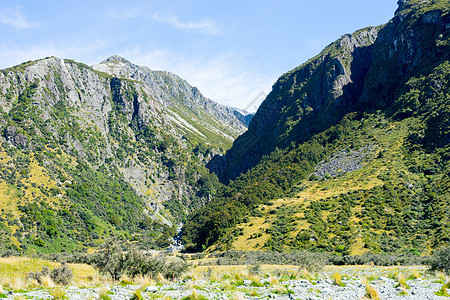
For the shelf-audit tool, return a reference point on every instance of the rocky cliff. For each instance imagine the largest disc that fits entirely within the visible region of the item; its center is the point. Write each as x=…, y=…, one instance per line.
x=364, y=70
x=349, y=152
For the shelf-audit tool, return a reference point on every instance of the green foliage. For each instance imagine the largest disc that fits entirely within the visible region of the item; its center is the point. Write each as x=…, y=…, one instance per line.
x=62, y=274
x=112, y=260
x=195, y=297
x=301, y=123
x=441, y=260
x=275, y=176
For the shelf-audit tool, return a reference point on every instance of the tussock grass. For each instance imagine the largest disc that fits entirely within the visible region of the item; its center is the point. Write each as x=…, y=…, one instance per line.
x=161, y=279
x=144, y=281
x=443, y=290
x=403, y=292
x=305, y=274
x=256, y=282
x=103, y=293
x=337, y=279
x=239, y=296
x=371, y=292
x=401, y=279
x=14, y=283
x=137, y=295
x=414, y=274
x=195, y=296
x=273, y=281
x=125, y=280
x=58, y=293
x=47, y=282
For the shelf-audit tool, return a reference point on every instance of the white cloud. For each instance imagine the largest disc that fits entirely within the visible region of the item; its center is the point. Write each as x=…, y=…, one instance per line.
x=14, y=17
x=224, y=78
x=14, y=54
x=205, y=26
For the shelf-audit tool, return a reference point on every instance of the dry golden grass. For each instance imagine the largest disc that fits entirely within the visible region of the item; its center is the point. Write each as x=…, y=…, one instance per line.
x=303, y=273
x=103, y=292
x=125, y=279
x=279, y=289
x=58, y=293
x=273, y=281
x=239, y=296
x=161, y=279
x=337, y=278
x=15, y=283
x=144, y=281
x=244, y=242
x=14, y=271
x=47, y=282
x=371, y=292
x=415, y=274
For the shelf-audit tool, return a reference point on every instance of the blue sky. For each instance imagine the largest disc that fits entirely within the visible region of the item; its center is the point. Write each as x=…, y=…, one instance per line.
x=232, y=51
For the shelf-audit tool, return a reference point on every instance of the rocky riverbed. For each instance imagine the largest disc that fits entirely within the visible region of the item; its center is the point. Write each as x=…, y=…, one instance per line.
x=220, y=283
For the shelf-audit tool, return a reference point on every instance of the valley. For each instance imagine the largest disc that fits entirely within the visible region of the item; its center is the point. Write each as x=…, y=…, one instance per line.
x=338, y=187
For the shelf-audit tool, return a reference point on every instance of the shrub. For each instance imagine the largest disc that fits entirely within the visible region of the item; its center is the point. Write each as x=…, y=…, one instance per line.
x=62, y=274
x=441, y=260
x=115, y=262
x=254, y=269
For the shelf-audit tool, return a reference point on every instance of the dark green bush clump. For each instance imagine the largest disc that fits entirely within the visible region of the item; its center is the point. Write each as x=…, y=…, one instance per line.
x=441, y=260
x=313, y=260
x=304, y=259
x=112, y=260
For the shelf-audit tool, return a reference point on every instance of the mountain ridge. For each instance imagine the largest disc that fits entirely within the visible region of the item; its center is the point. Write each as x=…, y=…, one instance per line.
x=344, y=153
x=109, y=151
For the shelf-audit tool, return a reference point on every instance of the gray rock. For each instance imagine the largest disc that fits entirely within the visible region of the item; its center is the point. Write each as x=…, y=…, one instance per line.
x=151, y=289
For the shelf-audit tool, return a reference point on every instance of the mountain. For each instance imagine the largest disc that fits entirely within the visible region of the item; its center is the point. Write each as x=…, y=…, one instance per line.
x=110, y=150
x=348, y=153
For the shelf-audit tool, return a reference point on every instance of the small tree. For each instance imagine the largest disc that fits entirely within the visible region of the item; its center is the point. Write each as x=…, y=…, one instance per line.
x=111, y=259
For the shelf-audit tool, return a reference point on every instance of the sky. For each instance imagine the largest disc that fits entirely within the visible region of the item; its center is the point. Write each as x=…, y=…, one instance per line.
x=232, y=51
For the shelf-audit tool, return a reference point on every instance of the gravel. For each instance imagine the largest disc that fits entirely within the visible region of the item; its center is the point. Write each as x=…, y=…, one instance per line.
x=421, y=288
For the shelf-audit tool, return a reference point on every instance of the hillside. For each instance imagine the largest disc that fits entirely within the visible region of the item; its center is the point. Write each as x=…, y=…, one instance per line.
x=349, y=152
x=89, y=153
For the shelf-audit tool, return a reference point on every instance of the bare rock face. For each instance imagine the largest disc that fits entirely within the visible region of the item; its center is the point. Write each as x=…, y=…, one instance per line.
x=172, y=90
x=305, y=100
x=17, y=139
x=357, y=72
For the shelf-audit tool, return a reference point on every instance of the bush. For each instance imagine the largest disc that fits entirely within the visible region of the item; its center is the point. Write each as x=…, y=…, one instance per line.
x=307, y=260
x=441, y=260
x=61, y=275
x=115, y=262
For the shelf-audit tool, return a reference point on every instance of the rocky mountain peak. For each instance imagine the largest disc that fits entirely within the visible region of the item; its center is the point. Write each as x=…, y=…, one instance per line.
x=116, y=58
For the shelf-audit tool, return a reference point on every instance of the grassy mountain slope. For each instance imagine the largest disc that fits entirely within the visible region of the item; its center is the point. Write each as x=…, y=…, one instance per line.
x=349, y=152
x=87, y=155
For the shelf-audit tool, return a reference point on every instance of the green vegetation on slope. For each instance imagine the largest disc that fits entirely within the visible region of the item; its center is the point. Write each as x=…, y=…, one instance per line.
x=62, y=176
x=396, y=200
